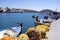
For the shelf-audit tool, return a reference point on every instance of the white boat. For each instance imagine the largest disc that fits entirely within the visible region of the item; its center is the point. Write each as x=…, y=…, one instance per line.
x=12, y=31
x=46, y=20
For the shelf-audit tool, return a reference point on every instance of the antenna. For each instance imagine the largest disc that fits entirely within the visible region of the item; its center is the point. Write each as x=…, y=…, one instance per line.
x=56, y=10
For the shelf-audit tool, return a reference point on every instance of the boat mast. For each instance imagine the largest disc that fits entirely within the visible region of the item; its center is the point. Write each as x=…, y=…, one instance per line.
x=56, y=10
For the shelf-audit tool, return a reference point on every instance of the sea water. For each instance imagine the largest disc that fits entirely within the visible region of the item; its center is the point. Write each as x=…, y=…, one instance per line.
x=11, y=19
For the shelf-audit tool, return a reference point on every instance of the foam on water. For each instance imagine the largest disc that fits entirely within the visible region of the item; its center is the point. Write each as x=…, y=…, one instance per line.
x=2, y=33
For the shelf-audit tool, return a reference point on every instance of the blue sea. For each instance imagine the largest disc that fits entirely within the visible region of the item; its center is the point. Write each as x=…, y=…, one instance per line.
x=11, y=19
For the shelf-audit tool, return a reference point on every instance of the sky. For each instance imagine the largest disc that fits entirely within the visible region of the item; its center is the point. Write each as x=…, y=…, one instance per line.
x=31, y=4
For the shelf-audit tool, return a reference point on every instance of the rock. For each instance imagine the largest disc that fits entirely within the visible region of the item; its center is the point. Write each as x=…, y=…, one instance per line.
x=33, y=34
x=42, y=28
x=7, y=38
x=23, y=37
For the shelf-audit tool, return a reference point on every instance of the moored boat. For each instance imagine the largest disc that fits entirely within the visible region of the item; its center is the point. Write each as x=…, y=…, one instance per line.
x=12, y=31
x=48, y=19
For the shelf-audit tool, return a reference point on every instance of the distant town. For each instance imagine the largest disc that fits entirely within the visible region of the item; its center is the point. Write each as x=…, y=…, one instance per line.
x=15, y=10
x=18, y=10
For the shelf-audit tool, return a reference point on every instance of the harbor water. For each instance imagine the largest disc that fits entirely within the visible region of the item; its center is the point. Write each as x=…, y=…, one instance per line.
x=11, y=19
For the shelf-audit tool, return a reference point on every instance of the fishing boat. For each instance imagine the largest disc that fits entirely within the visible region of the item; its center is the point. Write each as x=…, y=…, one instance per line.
x=48, y=19
x=12, y=31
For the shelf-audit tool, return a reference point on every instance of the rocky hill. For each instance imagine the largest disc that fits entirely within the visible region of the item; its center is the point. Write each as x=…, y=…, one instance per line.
x=46, y=11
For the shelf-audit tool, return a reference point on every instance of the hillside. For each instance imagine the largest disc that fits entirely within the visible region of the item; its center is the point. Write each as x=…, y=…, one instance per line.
x=16, y=10
x=46, y=11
